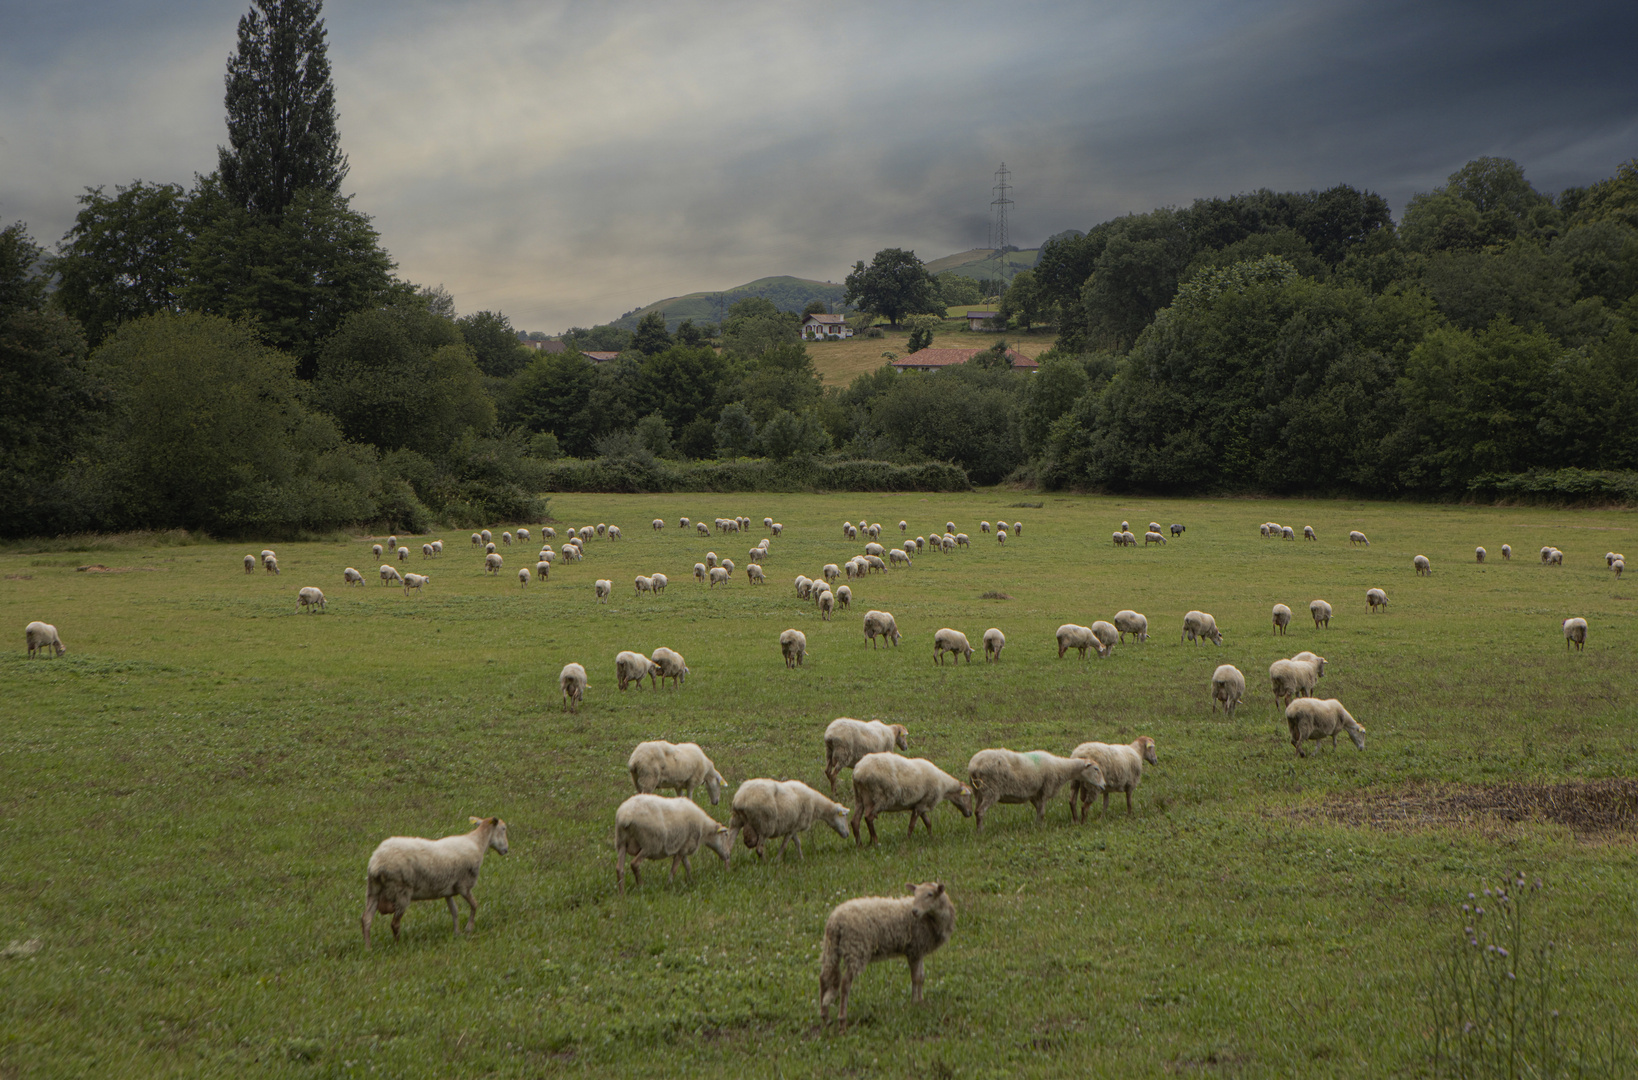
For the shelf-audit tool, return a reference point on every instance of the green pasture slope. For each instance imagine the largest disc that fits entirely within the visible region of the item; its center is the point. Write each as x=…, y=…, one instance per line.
x=190, y=797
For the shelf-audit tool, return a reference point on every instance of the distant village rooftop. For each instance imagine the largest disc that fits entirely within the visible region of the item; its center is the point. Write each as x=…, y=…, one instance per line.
x=934, y=359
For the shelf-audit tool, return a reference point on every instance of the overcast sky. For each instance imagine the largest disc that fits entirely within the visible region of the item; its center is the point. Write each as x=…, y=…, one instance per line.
x=566, y=162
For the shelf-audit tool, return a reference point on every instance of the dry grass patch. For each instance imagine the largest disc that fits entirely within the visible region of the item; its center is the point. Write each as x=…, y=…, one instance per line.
x=1588, y=808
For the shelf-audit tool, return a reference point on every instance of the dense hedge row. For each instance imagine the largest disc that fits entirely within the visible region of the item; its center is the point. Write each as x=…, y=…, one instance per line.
x=644, y=476
x=1559, y=487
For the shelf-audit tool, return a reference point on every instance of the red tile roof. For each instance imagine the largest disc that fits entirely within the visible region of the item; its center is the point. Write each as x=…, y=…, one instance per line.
x=824, y=318
x=939, y=358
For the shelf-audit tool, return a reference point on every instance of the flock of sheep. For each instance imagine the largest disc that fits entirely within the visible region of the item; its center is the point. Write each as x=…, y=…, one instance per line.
x=650, y=826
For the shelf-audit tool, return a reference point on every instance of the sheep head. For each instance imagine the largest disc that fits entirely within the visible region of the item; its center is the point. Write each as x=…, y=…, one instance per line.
x=962, y=799
x=901, y=736
x=1146, y=747
x=1092, y=775
x=713, y=785
x=721, y=842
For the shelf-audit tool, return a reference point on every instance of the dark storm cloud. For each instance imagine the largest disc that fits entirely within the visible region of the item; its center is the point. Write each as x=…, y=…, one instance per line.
x=568, y=162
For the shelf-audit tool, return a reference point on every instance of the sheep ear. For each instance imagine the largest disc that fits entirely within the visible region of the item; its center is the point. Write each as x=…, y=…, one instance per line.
x=940, y=890
x=494, y=821
x=474, y=820
x=910, y=887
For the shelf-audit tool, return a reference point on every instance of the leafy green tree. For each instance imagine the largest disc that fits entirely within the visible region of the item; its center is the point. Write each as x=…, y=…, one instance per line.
x=958, y=289
x=603, y=338
x=1049, y=393
x=654, y=434
x=402, y=377
x=620, y=395
x=1023, y=304
x=123, y=257
x=735, y=431
x=997, y=357
x=1520, y=280
x=690, y=336
x=48, y=400
x=553, y=396
x=966, y=415
x=787, y=435
x=1135, y=276
x=815, y=307
x=754, y=326
x=1487, y=201
x=1603, y=257
x=651, y=337
x=685, y=382
x=1613, y=199
x=698, y=439
x=494, y=343
x=895, y=284
x=920, y=338
x=281, y=110
x=783, y=378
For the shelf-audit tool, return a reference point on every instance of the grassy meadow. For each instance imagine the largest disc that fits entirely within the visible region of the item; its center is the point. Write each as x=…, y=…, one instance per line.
x=839, y=362
x=188, y=799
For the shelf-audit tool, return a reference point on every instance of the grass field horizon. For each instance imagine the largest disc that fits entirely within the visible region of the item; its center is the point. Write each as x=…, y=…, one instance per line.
x=191, y=795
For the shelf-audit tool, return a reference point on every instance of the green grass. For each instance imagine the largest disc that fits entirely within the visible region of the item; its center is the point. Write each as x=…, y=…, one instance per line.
x=839, y=362
x=189, y=797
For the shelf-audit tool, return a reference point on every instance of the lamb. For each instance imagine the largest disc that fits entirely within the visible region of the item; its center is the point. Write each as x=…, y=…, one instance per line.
x=765, y=810
x=1507, y=552
x=492, y=563
x=876, y=928
x=352, y=577
x=1575, y=632
x=699, y=571
x=1079, y=638
x=1321, y=611
x=671, y=666
x=390, y=573
x=653, y=827
x=1422, y=565
x=1152, y=537
x=1198, y=625
x=719, y=576
x=994, y=642
x=1311, y=720
x=844, y=595
x=572, y=679
x=404, y=869
x=250, y=563
x=1228, y=686
x=270, y=563
x=1122, y=766
x=1282, y=618
x=523, y=576
x=1130, y=622
x=1377, y=599
x=1004, y=776
x=1106, y=634
x=1308, y=533
x=953, y=642
x=40, y=636
x=754, y=575
x=1357, y=537
x=880, y=624
x=886, y=783
x=827, y=605
x=679, y=766
x=1478, y=554
x=603, y=588
x=1292, y=679
x=415, y=581
x=848, y=741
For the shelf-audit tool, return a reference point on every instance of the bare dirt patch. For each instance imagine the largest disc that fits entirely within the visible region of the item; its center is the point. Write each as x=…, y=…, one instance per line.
x=1589, y=808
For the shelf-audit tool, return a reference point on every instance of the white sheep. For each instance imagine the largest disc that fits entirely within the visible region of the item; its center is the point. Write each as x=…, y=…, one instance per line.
x=874, y=562
x=1308, y=533
x=1478, y=554
x=523, y=536
x=1106, y=634
x=633, y=667
x=719, y=576
x=877, y=928
x=1122, y=766
x=486, y=536
x=1611, y=556
x=909, y=547
x=477, y=541
x=426, y=551
x=880, y=624
x=793, y=645
x=874, y=549
x=1282, y=618
x=994, y=642
x=310, y=599
x=703, y=529
x=1422, y=566
x=250, y=564
x=983, y=526
x=1000, y=536
x=267, y=553
x=1555, y=557
x=489, y=549
x=1128, y=539
x=1507, y=552
x=1228, y=686
x=1545, y=552
x=524, y=576
x=352, y=577
x=1619, y=565
x=1197, y=626
x=765, y=810
x=844, y=595
x=895, y=557
x=643, y=584
x=827, y=605
x=543, y=569
x=415, y=581
x=885, y=783
x=403, y=553
x=654, y=827
x=1079, y=638
x=679, y=766
x=390, y=573
x=962, y=540
x=875, y=530
x=776, y=528
x=953, y=642
x=1005, y=776
x=492, y=562
x=1287, y=533
x=848, y=741
x=1357, y=537
x=603, y=588
x=1018, y=528
x=1119, y=538
x=1153, y=537
x=572, y=680
x=41, y=636
x=404, y=869
x=1321, y=611
x=657, y=524
x=949, y=526
x=699, y=572
x=728, y=565
x=1377, y=599
x=658, y=582
x=683, y=523
x=670, y=665
x=767, y=523
x=849, y=531
x=392, y=541
x=601, y=528
x=615, y=533
x=1125, y=525
x=710, y=559
x=1130, y=622
x=270, y=563
x=548, y=533
x=1311, y=719
x=754, y=575
x=1575, y=632
x=1292, y=679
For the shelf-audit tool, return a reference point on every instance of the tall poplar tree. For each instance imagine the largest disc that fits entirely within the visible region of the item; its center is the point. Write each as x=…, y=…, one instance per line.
x=281, y=109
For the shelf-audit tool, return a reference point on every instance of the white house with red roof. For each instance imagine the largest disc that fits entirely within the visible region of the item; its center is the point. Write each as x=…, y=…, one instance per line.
x=825, y=327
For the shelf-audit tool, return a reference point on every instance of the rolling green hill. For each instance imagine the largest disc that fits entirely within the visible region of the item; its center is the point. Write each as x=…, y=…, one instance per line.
x=787, y=294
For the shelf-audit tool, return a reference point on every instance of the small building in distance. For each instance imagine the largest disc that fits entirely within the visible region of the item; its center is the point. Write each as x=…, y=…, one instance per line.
x=544, y=345
x=981, y=320
x=600, y=357
x=936, y=359
x=825, y=327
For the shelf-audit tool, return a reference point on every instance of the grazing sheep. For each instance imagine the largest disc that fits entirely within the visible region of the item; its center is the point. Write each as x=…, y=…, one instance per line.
x=601, y=528
x=1128, y=539
x=506, y=538
x=1377, y=599
x=1197, y=625
x=1000, y=536
x=874, y=562
x=949, y=526
x=437, y=548
x=270, y=563
x=1357, y=537
x=719, y=576
x=415, y=581
x=1312, y=719
x=1507, y=552
x=1287, y=533
x=776, y=528
x=1315, y=659
x=250, y=563
x=1422, y=565
x=1292, y=679
x=877, y=928
x=703, y=529
x=1321, y=611
x=658, y=582
x=1079, y=638
x=654, y=827
x=1308, y=533
x=950, y=641
x=310, y=599
x=404, y=869
x=880, y=624
x=40, y=636
x=827, y=605
x=572, y=553
x=683, y=523
x=831, y=572
x=390, y=573
x=1005, y=776
x=886, y=783
x=392, y=541
x=983, y=526
x=994, y=642
x=896, y=556
x=1545, y=552
x=1478, y=554
x=1228, y=686
x=961, y=539
x=657, y=524
x=1618, y=566
x=765, y=810
x=542, y=569
x=699, y=571
x=804, y=586
x=615, y=533
x=403, y=553
x=492, y=562
x=489, y=549
x=679, y=766
x=603, y=588
x=847, y=741
x=754, y=574
x=728, y=565
x=486, y=536
x=1575, y=633
x=1018, y=528
x=710, y=559
x=1152, y=537
x=643, y=584
x=874, y=549
x=757, y=554
x=1106, y=634
x=671, y=665
x=523, y=576
x=1282, y=618
x=1122, y=766
x=849, y=531
x=1177, y=530
x=426, y=551
x=793, y=645
x=1154, y=526
x=1119, y=538
x=477, y=541
x=352, y=577
x=1130, y=622
x=1555, y=557
x=844, y=595
x=547, y=532
x=523, y=536
x=572, y=679
x=1125, y=526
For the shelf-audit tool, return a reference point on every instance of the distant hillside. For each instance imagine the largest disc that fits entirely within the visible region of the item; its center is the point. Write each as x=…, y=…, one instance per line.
x=787, y=294
x=985, y=263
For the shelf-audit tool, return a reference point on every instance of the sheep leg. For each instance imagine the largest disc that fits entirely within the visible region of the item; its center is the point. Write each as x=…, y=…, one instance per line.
x=1040, y=809
x=799, y=855
x=471, y=902
x=871, y=821
x=918, y=975
x=688, y=871
x=1128, y=802
x=369, y=915
x=454, y=914
x=399, y=907
x=1105, y=803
